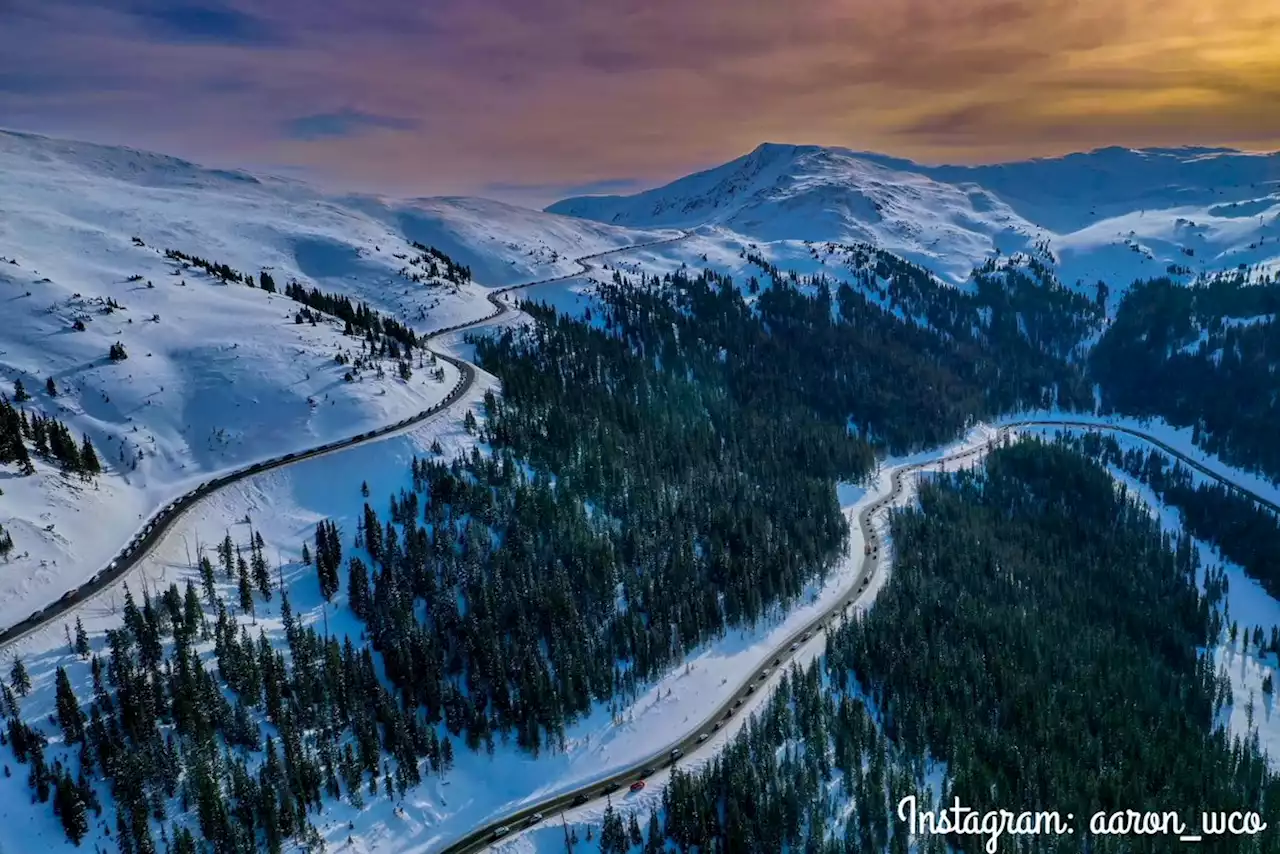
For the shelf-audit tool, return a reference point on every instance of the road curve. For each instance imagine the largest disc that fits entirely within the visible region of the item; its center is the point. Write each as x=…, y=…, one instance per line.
x=692, y=740
x=159, y=523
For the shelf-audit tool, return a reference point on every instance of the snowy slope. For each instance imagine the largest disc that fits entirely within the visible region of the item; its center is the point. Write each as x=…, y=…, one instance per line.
x=1114, y=213
x=224, y=376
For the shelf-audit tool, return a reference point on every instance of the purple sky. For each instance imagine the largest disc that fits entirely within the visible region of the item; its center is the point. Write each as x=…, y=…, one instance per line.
x=533, y=99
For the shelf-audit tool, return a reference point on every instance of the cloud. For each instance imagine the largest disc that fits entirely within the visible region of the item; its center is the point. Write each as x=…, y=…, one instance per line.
x=205, y=22
x=342, y=123
x=194, y=22
x=520, y=97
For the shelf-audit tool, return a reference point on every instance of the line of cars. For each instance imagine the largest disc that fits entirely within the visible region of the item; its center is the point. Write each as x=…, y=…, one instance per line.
x=122, y=561
x=210, y=485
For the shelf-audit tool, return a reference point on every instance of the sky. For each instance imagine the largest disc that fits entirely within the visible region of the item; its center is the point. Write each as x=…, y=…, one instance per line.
x=532, y=100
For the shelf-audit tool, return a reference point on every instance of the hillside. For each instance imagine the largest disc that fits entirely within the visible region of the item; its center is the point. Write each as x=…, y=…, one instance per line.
x=1114, y=214
x=217, y=374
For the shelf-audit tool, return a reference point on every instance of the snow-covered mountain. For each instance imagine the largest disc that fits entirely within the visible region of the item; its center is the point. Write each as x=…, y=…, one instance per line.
x=1115, y=214
x=217, y=375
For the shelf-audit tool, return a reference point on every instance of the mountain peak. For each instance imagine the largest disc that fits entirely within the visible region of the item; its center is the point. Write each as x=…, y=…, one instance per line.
x=952, y=218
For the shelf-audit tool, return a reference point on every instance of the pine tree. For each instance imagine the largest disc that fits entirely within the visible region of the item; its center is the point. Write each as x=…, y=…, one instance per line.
x=613, y=835
x=358, y=587
x=18, y=677
x=227, y=552
x=245, y=589
x=82, y=640
x=71, y=809
x=20, y=394
x=207, y=580
x=654, y=842
x=261, y=573
x=89, y=458
x=633, y=830
x=51, y=387
x=70, y=717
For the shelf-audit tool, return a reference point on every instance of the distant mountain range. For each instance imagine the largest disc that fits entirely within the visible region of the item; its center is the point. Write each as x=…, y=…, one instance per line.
x=1114, y=213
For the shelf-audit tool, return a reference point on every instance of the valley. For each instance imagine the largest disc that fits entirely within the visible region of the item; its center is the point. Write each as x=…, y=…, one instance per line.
x=670, y=459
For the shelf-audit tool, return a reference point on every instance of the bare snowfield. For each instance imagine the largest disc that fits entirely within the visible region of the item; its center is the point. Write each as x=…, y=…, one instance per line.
x=218, y=375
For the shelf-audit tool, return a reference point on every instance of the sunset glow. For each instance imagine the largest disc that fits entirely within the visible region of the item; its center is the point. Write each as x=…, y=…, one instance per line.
x=532, y=99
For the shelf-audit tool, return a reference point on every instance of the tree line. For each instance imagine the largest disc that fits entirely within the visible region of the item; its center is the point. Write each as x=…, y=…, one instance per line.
x=49, y=439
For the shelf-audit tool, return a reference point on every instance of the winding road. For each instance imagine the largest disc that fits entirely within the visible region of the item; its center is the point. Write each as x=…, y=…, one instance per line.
x=700, y=736
x=685, y=744
x=162, y=521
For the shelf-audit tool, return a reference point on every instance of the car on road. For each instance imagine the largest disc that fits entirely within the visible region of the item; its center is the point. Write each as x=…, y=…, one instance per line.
x=533, y=819
x=777, y=661
x=637, y=785
x=751, y=689
x=501, y=831
x=611, y=788
x=648, y=772
x=579, y=800
x=716, y=725
x=703, y=737
x=794, y=647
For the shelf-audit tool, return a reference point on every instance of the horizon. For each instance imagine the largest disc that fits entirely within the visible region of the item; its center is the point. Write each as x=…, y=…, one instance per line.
x=319, y=183
x=541, y=99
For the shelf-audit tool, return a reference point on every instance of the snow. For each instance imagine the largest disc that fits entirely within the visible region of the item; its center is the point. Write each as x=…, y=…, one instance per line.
x=1113, y=214
x=284, y=506
x=223, y=378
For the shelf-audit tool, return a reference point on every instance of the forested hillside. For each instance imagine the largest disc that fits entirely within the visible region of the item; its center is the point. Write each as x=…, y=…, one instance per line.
x=1039, y=634
x=848, y=354
x=1245, y=531
x=1204, y=356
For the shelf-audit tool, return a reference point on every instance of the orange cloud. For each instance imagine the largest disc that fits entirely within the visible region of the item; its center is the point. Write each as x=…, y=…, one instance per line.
x=464, y=94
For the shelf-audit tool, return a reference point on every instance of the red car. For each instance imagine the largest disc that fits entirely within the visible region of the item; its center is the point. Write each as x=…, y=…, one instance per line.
x=637, y=785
